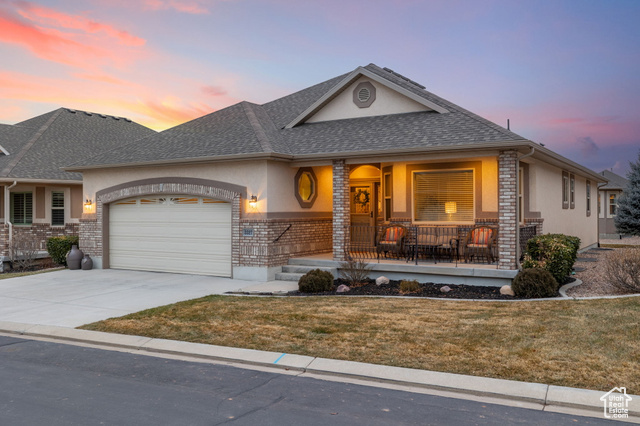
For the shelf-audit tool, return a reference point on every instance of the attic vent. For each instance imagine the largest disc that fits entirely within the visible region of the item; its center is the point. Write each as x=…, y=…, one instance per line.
x=364, y=94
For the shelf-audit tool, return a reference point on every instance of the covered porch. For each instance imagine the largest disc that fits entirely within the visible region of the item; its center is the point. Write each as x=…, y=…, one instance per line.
x=456, y=212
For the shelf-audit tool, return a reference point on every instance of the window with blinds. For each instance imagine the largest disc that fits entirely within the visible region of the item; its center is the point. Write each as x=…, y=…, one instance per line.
x=57, y=208
x=443, y=196
x=21, y=208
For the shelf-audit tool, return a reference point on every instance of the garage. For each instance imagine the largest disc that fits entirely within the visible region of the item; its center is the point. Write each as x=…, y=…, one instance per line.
x=171, y=233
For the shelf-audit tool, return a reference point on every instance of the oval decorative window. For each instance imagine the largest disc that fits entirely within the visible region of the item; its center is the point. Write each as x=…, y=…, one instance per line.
x=306, y=187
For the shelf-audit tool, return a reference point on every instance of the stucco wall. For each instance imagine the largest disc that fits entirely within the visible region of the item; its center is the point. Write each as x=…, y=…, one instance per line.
x=546, y=197
x=387, y=102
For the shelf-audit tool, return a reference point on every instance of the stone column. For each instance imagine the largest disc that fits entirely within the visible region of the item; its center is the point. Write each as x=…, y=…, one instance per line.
x=341, y=213
x=507, y=201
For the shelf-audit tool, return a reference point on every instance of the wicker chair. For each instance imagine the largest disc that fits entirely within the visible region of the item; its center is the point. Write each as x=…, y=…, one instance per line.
x=391, y=240
x=480, y=241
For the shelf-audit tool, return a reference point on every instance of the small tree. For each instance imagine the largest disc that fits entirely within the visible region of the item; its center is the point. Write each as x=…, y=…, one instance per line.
x=627, y=218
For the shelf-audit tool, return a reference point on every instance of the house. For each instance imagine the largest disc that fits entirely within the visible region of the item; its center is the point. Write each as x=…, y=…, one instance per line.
x=240, y=191
x=37, y=197
x=608, y=196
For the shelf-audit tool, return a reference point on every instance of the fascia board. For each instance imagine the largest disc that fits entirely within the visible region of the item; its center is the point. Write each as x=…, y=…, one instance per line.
x=353, y=76
x=192, y=160
x=43, y=181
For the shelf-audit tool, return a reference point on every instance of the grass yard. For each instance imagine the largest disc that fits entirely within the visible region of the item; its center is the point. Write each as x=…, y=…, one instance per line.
x=592, y=344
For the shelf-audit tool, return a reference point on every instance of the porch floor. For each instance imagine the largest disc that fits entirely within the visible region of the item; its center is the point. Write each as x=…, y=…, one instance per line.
x=441, y=272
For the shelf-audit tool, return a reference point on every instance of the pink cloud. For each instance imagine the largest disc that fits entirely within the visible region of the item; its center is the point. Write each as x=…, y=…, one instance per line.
x=214, y=91
x=185, y=6
x=50, y=17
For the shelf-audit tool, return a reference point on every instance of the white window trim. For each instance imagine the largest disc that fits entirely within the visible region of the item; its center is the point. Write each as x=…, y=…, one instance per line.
x=48, y=202
x=431, y=222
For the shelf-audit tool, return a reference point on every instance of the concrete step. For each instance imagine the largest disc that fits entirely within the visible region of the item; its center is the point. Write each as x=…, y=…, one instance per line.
x=288, y=276
x=303, y=269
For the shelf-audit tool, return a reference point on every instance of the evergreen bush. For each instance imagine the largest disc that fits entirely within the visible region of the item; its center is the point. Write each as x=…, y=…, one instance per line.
x=555, y=253
x=627, y=219
x=58, y=247
x=535, y=283
x=316, y=281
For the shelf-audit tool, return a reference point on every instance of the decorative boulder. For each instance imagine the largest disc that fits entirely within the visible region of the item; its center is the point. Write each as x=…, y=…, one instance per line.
x=382, y=280
x=506, y=289
x=343, y=288
x=445, y=289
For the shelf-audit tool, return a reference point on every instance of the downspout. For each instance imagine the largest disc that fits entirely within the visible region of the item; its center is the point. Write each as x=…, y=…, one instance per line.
x=529, y=154
x=7, y=209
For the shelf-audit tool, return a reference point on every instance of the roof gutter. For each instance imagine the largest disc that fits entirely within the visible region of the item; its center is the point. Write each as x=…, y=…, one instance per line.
x=7, y=209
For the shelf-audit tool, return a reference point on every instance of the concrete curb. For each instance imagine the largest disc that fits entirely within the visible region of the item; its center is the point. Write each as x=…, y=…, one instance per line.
x=548, y=396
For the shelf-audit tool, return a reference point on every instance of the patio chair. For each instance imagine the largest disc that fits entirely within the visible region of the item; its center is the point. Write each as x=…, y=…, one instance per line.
x=480, y=241
x=434, y=241
x=391, y=240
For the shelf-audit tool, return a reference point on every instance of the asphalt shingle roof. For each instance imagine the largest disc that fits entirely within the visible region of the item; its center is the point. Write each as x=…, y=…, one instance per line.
x=615, y=181
x=246, y=128
x=40, y=146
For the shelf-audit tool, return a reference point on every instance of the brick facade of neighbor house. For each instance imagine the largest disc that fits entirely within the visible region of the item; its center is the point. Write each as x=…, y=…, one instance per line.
x=341, y=212
x=41, y=232
x=507, y=201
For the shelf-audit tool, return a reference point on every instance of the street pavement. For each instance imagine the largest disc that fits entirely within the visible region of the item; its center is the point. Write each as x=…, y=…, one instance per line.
x=56, y=384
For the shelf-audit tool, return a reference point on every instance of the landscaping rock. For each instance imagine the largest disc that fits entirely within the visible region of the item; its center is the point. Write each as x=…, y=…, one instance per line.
x=382, y=280
x=445, y=289
x=343, y=288
x=507, y=290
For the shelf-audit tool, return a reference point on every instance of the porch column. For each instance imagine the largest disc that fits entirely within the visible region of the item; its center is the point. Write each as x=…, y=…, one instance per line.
x=507, y=200
x=341, y=216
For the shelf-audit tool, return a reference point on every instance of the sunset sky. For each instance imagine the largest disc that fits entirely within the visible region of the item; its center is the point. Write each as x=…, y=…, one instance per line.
x=566, y=73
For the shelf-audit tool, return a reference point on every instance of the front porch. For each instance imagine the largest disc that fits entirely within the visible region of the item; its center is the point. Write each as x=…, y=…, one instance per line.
x=398, y=269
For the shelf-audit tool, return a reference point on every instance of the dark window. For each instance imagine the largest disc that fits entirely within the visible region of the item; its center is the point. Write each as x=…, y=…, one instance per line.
x=57, y=208
x=21, y=208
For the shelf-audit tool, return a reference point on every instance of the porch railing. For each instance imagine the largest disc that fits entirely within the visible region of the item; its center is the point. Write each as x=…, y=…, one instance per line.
x=434, y=243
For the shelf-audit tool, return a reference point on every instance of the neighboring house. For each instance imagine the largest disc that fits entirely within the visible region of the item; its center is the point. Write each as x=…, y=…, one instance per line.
x=37, y=197
x=240, y=191
x=608, y=196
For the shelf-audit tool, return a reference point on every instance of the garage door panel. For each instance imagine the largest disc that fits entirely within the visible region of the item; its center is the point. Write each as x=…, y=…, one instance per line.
x=183, y=238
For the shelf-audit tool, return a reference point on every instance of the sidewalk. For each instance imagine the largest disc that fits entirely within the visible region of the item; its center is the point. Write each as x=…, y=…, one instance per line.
x=538, y=396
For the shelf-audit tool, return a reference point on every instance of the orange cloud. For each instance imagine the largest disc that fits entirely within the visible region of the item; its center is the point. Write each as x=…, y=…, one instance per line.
x=50, y=17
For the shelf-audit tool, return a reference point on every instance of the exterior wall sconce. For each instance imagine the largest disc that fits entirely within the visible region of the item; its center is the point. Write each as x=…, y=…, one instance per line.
x=253, y=202
x=88, y=206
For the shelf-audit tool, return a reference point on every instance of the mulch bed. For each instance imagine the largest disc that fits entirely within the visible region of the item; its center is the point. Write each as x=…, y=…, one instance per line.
x=458, y=291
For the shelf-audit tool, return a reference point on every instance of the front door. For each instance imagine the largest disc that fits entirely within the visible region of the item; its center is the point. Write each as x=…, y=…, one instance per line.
x=364, y=213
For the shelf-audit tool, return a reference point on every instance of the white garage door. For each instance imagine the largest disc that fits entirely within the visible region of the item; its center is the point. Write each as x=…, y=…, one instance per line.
x=171, y=233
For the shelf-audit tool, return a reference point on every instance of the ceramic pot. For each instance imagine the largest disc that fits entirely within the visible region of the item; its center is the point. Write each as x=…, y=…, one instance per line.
x=74, y=257
x=87, y=263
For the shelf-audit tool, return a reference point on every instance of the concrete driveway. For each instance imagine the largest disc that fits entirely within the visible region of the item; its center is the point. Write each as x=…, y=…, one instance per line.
x=73, y=298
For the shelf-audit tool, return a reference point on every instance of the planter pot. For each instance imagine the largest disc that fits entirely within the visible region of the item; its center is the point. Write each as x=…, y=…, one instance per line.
x=74, y=257
x=87, y=263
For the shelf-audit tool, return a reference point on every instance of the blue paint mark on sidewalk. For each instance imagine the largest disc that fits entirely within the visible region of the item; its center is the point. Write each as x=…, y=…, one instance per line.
x=279, y=358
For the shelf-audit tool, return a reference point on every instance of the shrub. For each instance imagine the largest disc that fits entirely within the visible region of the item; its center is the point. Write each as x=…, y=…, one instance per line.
x=555, y=253
x=58, y=247
x=23, y=251
x=316, y=281
x=355, y=271
x=409, y=286
x=533, y=283
x=622, y=269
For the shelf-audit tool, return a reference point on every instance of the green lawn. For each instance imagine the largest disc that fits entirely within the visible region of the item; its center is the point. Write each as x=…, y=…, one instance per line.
x=591, y=344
